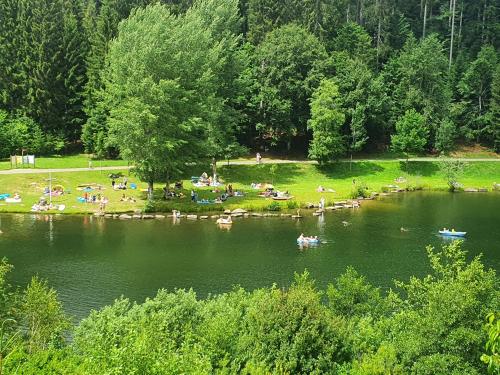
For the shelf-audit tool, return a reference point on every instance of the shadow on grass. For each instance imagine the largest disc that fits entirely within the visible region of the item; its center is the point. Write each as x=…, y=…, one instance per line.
x=281, y=174
x=343, y=170
x=246, y=174
x=419, y=168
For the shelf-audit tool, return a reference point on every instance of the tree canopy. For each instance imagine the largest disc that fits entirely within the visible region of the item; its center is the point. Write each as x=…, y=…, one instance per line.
x=436, y=57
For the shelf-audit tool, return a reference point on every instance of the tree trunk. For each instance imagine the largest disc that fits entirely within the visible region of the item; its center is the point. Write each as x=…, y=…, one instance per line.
x=167, y=187
x=449, y=13
x=480, y=111
x=348, y=9
x=484, y=20
x=379, y=27
x=460, y=25
x=214, y=168
x=361, y=5
x=452, y=32
x=150, y=190
x=425, y=19
x=350, y=163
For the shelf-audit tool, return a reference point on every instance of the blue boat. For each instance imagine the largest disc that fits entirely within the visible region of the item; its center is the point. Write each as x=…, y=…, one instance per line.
x=452, y=233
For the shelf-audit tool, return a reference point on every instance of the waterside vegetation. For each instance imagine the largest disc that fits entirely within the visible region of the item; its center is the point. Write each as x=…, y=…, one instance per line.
x=430, y=325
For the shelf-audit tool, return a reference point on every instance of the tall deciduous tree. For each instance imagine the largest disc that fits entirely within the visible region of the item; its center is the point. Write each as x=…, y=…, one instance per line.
x=326, y=123
x=162, y=89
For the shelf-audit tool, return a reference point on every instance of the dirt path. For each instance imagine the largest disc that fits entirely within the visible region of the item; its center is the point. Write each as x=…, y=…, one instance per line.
x=59, y=170
x=238, y=162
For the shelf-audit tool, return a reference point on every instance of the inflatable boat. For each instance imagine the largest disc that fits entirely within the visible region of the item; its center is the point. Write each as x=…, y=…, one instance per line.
x=452, y=233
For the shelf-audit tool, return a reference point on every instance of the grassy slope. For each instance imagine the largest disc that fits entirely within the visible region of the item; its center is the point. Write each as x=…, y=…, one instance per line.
x=301, y=180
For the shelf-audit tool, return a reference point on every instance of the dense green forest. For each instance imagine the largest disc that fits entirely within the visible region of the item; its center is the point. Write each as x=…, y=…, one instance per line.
x=432, y=325
x=165, y=83
x=332, y=77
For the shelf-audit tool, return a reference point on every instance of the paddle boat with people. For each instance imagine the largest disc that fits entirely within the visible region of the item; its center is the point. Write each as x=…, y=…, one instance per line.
x=452, y=233
x=304, y=240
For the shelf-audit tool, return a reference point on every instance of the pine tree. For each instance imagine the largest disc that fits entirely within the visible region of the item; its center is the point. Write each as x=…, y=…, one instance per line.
x=102, y=27
x=9, y=49
x=475, y=88
x=495, y=109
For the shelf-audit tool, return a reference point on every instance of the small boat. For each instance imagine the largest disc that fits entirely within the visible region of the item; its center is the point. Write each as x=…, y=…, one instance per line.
x=452, y=233
x=224, y=221
x=307, y=240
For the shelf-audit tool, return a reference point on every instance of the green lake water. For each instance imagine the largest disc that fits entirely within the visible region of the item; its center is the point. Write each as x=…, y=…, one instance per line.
x=91, y=261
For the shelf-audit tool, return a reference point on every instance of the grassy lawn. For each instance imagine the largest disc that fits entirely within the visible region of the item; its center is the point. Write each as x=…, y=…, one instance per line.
x=30, y=187
x=301, y=180
x=70, y=161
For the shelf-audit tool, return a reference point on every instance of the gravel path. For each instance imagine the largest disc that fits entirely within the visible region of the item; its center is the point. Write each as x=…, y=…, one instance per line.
x=241, y=162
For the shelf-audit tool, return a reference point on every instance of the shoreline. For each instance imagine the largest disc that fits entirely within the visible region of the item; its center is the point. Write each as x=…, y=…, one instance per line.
x=301, y=180
x=309, y=209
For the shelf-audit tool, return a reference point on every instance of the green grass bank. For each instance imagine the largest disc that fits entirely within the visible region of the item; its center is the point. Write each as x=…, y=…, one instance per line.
x=300, y=180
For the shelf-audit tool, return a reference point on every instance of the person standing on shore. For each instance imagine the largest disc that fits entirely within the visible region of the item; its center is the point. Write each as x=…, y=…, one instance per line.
x=258, y=157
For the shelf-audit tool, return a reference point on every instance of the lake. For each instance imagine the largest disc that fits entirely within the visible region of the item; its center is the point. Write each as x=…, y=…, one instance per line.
x=91, y=261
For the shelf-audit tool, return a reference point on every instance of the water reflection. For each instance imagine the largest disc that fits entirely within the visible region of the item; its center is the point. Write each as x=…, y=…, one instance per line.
x=91, y=261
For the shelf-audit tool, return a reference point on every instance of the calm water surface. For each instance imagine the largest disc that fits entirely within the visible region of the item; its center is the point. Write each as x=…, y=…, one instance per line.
x=93, y=261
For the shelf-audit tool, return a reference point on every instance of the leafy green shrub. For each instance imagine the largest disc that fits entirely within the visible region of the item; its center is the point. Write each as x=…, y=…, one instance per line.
x=492, y=359
x=359, y=190
x=23, y=133
x=274, y=206
x=291, y=205
x=385, y=189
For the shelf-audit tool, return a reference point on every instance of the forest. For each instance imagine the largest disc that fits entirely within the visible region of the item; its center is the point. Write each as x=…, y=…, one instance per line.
x=183, y=79
x=443, y=323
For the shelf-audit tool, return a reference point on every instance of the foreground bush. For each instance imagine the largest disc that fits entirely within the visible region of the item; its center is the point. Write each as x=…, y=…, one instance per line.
x=433, y=325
